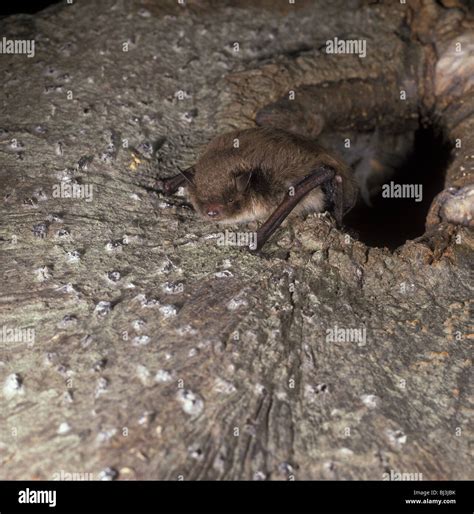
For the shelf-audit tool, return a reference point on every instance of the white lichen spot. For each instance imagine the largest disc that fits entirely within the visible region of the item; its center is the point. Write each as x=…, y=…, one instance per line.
x=344, y=453
x=144, y=13
x=114, y=247
x=64, y=428
x=309, y=393
x=138, y=325
x=224, y=274
x=329, y=467
x=223, y=386
x=141, y=340
x=146, y=418
x=43, y=273
x=144, y=375
x=67, y=288
x=108, y=474
x=113, y=276
x=195, y=452
x=163, y=375
x=191, y=403
x=73, y=256
x=146, y=302
x=13, y=386
x=236, y=303
x=101, y=387
x=103, y=308
x=186, y=330
x=396, y=437
x=105, y=435
x=165, y=266
x=193, y=352
x=211, y=236
x=140, y=298
x=168, y=310
x=226, y=264
x=369, y=400
x=281, y=395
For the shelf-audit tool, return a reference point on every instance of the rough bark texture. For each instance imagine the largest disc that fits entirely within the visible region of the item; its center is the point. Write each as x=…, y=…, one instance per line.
x=159, y=354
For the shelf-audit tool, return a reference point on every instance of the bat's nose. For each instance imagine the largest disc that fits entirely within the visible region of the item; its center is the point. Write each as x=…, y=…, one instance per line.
x=214, y=210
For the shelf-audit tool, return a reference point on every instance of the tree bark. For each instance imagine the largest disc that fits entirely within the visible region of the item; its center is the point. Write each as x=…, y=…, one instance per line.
x=157, y=353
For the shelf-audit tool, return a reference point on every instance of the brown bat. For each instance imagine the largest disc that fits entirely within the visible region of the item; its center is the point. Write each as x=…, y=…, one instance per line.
x=265, y=173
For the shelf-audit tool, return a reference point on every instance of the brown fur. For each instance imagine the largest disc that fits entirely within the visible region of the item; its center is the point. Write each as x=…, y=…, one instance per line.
x=248, y=182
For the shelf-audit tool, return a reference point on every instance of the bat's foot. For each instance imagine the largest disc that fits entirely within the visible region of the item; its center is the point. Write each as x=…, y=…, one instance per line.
x=169, y=186
x=333, y=189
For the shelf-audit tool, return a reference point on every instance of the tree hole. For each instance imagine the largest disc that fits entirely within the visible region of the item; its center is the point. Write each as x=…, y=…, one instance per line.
x=390, y=222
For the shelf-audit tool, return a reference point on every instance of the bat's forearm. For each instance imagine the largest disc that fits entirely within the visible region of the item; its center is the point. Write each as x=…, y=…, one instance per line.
x=315, y=179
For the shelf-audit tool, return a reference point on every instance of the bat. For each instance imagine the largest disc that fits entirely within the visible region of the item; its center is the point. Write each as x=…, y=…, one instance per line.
x=265, y=174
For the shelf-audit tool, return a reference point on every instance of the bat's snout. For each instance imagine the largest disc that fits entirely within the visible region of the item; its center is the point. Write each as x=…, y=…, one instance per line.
x=214, y=210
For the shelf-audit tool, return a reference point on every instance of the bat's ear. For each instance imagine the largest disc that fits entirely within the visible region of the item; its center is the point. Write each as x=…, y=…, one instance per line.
x=242, y=180
x=189, y=174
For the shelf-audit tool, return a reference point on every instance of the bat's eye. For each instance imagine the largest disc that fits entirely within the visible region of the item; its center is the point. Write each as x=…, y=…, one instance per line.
x=230, y=200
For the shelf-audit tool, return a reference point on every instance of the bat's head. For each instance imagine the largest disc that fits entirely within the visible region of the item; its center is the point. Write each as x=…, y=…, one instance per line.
x=226, y=186
x=223, y=196
x=243, y=175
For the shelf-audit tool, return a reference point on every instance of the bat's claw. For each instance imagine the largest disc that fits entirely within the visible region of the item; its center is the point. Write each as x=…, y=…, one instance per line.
x=164, y=187
x=169, y=186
